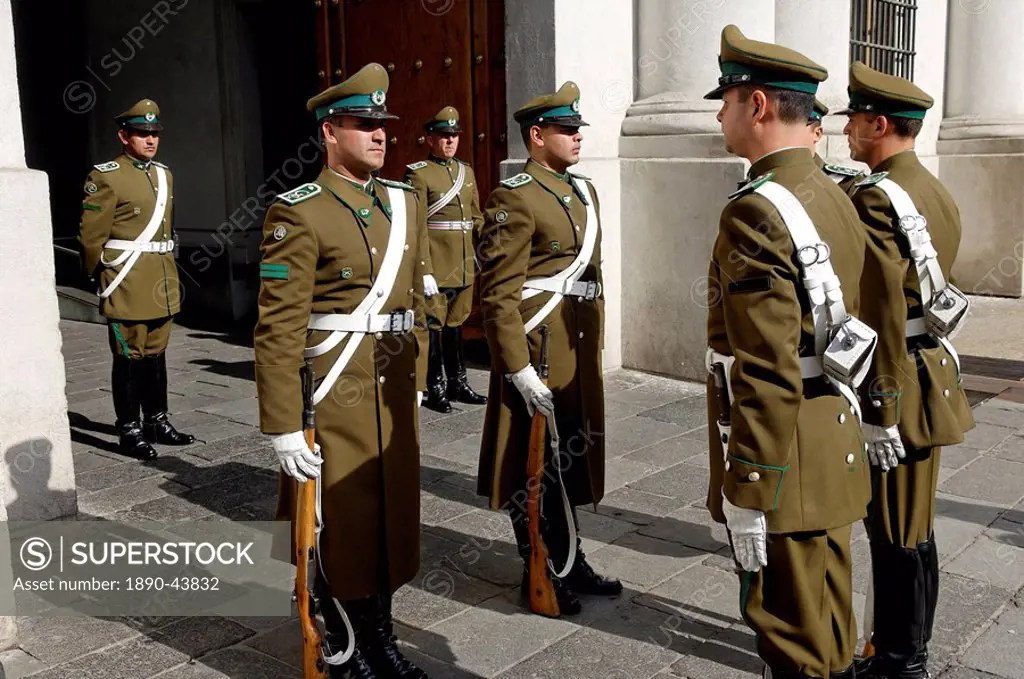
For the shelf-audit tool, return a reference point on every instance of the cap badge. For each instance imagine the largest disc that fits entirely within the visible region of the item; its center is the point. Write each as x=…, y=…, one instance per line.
x=377, y=98
x=575, y=105
x=150, y=116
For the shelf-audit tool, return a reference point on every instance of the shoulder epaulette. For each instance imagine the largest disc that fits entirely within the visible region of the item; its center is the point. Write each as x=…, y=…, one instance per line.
x=108, y=167
x=159, y=164
x=751, y=185
x=304, y=192
x=397, y=185
x=417, y=166
x=872, y=179
x=521, y=179
x=579, y=176
x=843, y=170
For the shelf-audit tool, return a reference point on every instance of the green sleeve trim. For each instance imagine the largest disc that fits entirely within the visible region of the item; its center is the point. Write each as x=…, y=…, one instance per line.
x=894, y=394
x=125, y=351
x=277, y=271
x=94, y=208
x=782, y=475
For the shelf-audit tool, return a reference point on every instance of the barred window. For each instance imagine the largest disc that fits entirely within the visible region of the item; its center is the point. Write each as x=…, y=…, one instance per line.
x=882, y=34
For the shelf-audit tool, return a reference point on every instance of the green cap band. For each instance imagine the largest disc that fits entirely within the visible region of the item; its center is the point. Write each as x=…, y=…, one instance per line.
x=360, y=102
x=735, y=73
x=894, y=109
x=141, y=120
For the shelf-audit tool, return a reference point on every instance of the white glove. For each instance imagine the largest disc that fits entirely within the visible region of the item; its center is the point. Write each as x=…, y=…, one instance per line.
x=297, y=460
x=885, y=449
x=430, y=286
x=534, y=392
x=419, y=398
x=749, y=532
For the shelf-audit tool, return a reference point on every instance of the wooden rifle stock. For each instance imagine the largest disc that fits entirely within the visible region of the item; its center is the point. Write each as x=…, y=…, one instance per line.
x=313, y=666
x=542, y=590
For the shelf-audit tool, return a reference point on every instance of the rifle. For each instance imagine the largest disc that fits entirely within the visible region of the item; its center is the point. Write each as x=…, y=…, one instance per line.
x=724, y=407
x=305, y=545
x=542, y=590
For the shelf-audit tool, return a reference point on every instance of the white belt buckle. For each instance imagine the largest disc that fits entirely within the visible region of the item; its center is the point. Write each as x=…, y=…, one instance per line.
x=593, y=290
x=401, y=322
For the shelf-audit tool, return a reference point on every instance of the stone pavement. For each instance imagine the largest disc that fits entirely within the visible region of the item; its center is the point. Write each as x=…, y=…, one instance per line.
x=460, y=617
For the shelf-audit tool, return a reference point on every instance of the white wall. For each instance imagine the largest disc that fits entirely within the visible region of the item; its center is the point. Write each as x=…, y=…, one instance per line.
x=930, y=72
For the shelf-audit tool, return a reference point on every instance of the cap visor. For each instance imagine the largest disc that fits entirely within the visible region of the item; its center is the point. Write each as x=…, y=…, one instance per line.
x=844, y=112
x=145, y=127
x=717, y=92
x=372, y=115
x=575, y=121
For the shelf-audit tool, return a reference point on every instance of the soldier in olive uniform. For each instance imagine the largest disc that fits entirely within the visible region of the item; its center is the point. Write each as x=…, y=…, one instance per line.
x=128, y=247
x=840, y=174
x=540, y=256
x=340, y=276
x=788, y=473
x=914, y=402
x=448, y=189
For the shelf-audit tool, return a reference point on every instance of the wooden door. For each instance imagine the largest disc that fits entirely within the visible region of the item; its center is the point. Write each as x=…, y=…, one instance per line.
x=438, y=53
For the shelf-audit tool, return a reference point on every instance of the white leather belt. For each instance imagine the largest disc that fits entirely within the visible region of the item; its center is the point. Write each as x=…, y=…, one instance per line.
x=916, y=327
x=396, y=323
x=589, y=290
x=160, y=246
x=451, y=226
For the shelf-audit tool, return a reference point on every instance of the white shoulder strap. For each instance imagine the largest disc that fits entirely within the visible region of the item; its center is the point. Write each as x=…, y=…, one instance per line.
x=819, y=278
x=571, y=273
x=460, y=179
x=375, y=299
x=914, y=227
x=129, y=257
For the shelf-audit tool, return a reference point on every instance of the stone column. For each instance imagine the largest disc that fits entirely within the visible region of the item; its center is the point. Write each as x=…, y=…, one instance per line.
x=676, y=177
x=821, y=31
x=981, y=143
x=37, y=481
x=547, y=43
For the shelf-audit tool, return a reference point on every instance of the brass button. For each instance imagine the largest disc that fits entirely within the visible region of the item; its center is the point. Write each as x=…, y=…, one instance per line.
x=754, y=476
x=406, y=248
x=479, y=59
x=481, y=136
x=317, y=3
x=378, y=335
x=865, y=447
x=944, y=361
x=850, y=458
x=391, y=68
x=728, y=465
x=373, y=250
x=842, y=418
x=338, y=72
x=577, y=227
x=876, y=403
x=381, y=380
x=320, y=73
x=393, y=140
x=945, y=392
x=412, y=291
x=421, y=140
x=412, y=376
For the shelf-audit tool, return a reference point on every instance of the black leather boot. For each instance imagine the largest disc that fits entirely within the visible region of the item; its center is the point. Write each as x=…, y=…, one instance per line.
x=583, y=579
x=381, y=650
x=435, y=398
x=153, y=388
x=902, y=579
x=458, y=382
x=849, y=673
x=357, y=666
x=123, y=386
x=568, y=604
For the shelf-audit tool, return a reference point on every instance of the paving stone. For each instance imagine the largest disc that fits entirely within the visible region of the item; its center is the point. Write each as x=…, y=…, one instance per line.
x=999, y=650
x=632, y=642
x=435, y=669
x=672, y=451
x=233, y=409
x=106, y=502
x=632, y=433
x=598, y=530
x=195, y=637
x=701, y=597
x=489, y=638
x=861, y=550
x=636, y=506
x=1002, y=413
x=620, y=471
x=964, y=605
x=1010, y=449
x=627, y=403
x=494, y=561
x=958, y=523
x=16, y=663
x=690, y=526
x=1016, y=514
x=684, y=482
x=196, y=472
x=464, y=451
x=642, y=560
x=117, y=475
x=443, y=501
x=141, y=657
x=985, y=436
x=436, y=594
x=192, y=418
x=241, y=441
x=149, y=623
x=988, y=479
x=688, y=414
x=956, y=457
x=997, y=562
x=217, y=431
x=484, y=525
x=239, y=662
x=448, y=429
x=87, y=461
x=966, y=673
x=730, y=657
x=283, y=642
